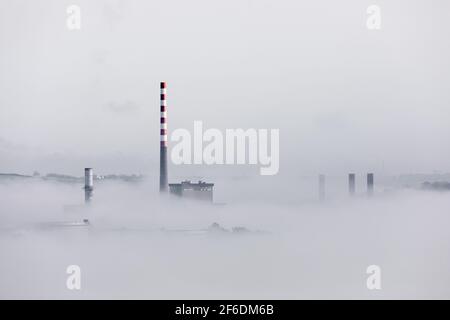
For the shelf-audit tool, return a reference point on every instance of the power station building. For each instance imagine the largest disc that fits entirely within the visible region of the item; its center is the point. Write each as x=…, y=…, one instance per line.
x=198, y=191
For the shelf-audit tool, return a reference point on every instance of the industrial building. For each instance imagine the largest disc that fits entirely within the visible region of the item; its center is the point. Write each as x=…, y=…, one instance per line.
x=187, y=189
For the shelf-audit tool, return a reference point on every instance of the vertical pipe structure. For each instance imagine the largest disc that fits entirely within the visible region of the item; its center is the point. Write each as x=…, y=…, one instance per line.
x=351, y=184
x=321, y=187
x=88, y=184
x=370, y=184
x=163, y=180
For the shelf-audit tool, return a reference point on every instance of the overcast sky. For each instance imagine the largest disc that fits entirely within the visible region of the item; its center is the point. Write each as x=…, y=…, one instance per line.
x=345, y=98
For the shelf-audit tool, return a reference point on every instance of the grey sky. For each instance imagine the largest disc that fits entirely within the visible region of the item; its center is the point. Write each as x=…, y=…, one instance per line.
x=344, y=98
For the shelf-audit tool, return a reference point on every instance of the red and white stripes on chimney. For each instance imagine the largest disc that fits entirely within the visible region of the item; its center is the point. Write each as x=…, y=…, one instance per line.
x=163, y=115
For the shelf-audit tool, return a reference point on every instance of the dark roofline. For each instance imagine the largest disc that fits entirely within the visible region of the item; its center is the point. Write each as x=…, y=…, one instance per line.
x=192, y=184
x=189, y=183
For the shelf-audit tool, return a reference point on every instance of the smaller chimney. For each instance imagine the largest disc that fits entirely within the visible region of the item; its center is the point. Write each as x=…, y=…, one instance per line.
x=370, y=184
x=351, y=184
x=321, y=187
x=88, y=184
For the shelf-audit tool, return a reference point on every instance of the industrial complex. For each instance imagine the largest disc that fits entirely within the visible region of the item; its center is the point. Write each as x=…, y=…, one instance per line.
x=185, y=189
x=201, y=190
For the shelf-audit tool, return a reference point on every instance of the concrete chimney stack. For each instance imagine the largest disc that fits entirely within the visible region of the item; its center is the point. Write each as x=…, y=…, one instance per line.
x=88, y=184
x=163, y=179
x=321, y=187
x=351, y=184
x=370, y=184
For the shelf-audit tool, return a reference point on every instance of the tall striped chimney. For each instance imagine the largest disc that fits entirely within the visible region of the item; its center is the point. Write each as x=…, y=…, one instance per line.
x=163, y=184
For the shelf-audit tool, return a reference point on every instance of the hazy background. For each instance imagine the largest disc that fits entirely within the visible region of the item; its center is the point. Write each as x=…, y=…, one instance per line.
x=309, y=249
x=344, y=97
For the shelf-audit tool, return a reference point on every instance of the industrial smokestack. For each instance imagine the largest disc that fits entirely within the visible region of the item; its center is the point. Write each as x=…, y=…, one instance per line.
x=321, y=187
x=351, y=184
x=88, y=184
x=370, y=184
x=163, y=183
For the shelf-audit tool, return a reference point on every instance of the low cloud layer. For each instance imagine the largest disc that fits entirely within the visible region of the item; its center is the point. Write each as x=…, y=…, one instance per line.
x=141, y=246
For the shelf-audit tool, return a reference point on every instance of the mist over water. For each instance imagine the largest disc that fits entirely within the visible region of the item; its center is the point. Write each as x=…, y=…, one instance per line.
x=343, y=97
x=140, y=245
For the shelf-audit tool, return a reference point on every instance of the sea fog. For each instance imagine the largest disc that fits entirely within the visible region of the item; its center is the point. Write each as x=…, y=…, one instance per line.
x=140, y=245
